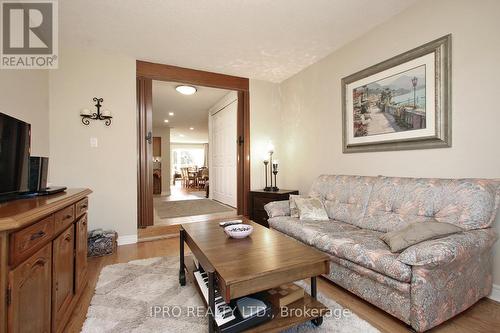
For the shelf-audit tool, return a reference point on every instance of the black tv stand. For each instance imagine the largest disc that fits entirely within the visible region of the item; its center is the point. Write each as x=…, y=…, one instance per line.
x=27, y=195
x=51, y=190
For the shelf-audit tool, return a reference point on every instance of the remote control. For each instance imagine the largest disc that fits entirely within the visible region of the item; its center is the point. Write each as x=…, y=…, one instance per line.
x=228, y=223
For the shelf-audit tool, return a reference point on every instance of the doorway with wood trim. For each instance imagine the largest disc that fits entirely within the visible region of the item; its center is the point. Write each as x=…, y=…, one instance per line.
x=149, y=74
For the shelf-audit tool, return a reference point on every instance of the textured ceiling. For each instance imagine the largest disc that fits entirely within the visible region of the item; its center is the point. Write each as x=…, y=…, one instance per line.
x=259, y=39
x=189, y=111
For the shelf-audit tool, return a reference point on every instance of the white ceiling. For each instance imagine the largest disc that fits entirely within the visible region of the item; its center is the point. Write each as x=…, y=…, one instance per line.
x=189, y=111
x=258, y=39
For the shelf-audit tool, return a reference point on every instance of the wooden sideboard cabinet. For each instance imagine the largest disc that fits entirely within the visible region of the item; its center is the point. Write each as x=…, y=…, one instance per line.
x=259, y=198
x=43, y=261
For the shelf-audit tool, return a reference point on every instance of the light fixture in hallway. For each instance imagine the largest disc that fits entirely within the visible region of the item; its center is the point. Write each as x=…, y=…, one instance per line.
x=191, y=128
x=166, y=121
x=170, y=113
x=186, y=90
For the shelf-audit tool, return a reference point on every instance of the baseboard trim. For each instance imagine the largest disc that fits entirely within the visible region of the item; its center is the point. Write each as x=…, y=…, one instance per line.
x=495, y=293
x=127, y=239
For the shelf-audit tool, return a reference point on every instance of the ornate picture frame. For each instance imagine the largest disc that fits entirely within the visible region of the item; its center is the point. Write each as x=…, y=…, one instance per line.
x=402, y=103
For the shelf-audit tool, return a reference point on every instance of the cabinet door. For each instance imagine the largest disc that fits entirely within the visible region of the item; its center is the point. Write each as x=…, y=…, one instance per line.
x=30, y=283
x=156, y=146
x=81, y=253
x=63, y=276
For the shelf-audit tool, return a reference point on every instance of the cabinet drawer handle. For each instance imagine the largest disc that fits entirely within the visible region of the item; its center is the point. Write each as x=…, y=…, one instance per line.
x=67, y=238
x=68, y=217
x=37, y=235
x=84, y=222
x=83, y=206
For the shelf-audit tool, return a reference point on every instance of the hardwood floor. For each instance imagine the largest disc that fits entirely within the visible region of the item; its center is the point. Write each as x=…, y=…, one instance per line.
x=177, y=193
x=482, y=317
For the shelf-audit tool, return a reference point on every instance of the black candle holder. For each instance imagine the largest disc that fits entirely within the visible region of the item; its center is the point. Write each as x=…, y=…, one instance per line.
x=96, y=115
x=275, y=172
x=267, y=188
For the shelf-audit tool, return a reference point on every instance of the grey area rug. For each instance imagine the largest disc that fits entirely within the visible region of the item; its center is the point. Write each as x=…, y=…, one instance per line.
x=170, y=209
x=126, y=294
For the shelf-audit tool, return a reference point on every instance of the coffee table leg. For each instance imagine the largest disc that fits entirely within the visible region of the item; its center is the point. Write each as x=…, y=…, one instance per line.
x=314, y=293
x=211, y=302
x=182, y=272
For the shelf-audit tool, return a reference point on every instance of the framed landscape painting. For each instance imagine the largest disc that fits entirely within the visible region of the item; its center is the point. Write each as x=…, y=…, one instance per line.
x=401, y=103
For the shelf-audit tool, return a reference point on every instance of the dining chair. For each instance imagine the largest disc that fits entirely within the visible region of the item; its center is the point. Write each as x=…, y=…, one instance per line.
x=191, y=173
x=202, y=177
x=185, y=176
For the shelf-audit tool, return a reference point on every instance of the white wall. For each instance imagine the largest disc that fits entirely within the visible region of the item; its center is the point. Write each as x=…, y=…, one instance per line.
x=265, y=128
x=110, y=170
x=311, y=109
x=164, y=134
x=24, y=94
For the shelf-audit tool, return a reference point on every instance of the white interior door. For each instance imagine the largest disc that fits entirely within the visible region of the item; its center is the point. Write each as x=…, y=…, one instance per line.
x=223, y=152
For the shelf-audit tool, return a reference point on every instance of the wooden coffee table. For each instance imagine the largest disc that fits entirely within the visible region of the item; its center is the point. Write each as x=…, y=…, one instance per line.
x=264, y=260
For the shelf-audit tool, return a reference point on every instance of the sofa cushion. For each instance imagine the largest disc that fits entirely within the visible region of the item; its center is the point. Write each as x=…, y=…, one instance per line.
x=345, y=197
x=307, y=231
x=403, y=287
x=396, y=202
x=364, y=247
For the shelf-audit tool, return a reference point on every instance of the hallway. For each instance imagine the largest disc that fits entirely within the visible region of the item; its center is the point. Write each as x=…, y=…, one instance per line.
x=182, y=194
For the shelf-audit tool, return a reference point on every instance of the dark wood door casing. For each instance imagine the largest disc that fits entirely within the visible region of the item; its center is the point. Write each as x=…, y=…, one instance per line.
x=145, y=152
x=146, y=72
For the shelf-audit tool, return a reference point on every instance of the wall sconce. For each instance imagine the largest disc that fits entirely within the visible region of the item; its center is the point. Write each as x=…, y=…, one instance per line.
x=105, y=115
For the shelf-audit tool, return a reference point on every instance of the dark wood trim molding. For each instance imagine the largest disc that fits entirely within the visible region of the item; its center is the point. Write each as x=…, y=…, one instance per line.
x=243, y=152
x=192, y=76
x=144, y=152
x=146, y=72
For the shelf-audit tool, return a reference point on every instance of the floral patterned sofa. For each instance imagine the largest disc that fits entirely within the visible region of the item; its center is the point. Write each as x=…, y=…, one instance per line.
x=425, y=284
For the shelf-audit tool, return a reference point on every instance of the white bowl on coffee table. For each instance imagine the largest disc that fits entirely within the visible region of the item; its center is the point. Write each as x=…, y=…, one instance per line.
x=238, y=230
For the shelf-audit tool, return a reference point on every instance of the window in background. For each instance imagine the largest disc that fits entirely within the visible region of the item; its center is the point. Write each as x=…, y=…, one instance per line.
x=187, y=157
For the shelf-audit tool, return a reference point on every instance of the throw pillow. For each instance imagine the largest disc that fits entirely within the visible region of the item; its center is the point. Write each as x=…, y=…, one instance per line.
x=311, y=209
x=294, y=211
x=418, y=232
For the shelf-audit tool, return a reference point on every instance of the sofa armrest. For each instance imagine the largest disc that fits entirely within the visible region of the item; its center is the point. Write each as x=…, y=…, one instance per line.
x=456, y=247
x=278, y=208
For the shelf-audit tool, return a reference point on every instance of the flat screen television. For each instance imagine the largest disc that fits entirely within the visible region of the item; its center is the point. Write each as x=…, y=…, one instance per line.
x=15, y=138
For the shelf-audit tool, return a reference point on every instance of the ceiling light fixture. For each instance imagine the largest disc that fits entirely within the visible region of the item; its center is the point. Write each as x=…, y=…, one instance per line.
x=191, y=128
x=186, y=90
x=170, y=113
x=166, y=121
x=181, y=135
